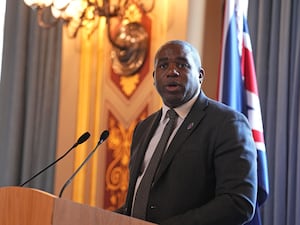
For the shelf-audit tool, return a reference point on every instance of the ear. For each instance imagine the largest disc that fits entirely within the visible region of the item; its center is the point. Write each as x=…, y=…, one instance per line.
x=153, y=76
x=201, y=75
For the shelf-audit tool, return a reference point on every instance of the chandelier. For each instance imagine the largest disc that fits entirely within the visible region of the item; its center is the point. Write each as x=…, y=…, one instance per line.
x=130, y=44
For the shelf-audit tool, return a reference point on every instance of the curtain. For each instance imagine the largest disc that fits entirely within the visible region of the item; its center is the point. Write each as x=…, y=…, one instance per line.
x=29, y=94
x=275, y=29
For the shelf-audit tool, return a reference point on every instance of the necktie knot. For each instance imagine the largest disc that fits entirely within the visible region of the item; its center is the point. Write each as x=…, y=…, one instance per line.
x=172, y=115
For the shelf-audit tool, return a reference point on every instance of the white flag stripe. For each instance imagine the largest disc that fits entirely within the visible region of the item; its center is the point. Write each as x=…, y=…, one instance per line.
x=260, y=146
x=254, y=115
x=247, y=42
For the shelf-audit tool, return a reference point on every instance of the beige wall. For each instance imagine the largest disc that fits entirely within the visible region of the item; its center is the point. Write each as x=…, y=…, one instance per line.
x=204, y=31
x=198, y=21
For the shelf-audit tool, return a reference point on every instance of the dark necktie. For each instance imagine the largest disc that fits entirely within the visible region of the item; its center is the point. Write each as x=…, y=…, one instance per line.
x=142, y=194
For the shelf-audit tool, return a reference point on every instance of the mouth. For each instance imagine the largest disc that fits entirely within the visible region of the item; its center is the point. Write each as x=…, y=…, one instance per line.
x=173, y=86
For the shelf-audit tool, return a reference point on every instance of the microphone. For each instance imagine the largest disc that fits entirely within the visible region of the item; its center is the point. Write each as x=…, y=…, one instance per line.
x=102, y=138
x=80, y=140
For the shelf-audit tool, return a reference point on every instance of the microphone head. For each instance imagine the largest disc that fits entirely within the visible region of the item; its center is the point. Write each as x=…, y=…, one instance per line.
x=103, y=136
x=83, y=138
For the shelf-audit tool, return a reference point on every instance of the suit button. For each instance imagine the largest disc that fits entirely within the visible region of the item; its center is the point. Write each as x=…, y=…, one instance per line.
x=152, y=207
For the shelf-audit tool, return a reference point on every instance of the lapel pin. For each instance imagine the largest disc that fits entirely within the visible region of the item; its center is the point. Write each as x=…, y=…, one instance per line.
x=190, y=126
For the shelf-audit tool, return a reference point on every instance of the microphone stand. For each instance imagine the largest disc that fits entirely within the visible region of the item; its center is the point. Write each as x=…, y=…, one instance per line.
x=80, y=140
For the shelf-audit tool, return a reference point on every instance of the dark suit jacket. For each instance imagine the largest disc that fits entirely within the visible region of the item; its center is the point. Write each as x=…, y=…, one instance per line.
x=209, y=172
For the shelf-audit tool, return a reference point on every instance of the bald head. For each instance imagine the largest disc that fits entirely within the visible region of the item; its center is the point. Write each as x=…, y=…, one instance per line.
x=187, y=46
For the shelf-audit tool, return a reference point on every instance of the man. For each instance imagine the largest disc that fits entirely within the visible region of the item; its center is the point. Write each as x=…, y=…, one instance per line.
x=208, y=171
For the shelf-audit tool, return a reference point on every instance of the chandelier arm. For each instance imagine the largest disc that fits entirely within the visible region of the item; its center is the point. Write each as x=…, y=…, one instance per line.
x=41, y=20
x=110, y=36
x=143, y=8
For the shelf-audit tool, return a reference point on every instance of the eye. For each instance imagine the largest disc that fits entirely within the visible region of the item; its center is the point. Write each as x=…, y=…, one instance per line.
x=162, y=65
x=183, y=65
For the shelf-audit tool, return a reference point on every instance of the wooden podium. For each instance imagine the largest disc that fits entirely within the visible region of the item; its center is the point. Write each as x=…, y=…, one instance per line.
x=27, y=206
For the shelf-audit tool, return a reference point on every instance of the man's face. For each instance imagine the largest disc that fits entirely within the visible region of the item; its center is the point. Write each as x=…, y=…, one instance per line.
x=177, y=75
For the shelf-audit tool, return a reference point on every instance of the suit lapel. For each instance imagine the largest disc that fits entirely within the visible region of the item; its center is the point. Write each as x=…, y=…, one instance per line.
x=188, y=126
x=140, y=153
x=146, y=135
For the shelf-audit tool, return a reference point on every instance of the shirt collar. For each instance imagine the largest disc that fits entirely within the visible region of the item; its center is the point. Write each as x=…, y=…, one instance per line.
x=182, y=110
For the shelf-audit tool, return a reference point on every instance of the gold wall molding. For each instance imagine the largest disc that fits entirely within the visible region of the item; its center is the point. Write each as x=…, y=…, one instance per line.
x=118, y=156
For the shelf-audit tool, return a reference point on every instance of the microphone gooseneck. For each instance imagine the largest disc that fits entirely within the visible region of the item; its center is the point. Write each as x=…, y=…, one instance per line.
x=102, y=138
x=80, y=140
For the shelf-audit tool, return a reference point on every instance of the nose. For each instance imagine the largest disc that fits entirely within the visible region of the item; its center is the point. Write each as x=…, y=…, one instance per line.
x=173, y=71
